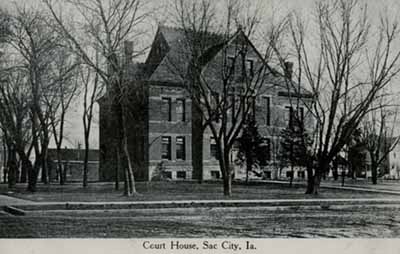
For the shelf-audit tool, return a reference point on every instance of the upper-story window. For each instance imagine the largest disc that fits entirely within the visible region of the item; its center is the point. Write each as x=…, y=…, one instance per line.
x=213, y=148
x=180, y=148
x=166, y=109
x=166, y=148
x=266, y=104
x=180, y=110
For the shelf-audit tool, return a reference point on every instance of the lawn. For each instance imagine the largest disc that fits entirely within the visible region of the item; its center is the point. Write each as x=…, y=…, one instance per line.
x=326, y=222
x=156, y=191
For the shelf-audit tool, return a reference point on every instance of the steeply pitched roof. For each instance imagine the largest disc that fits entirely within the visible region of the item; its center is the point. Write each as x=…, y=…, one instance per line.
x=175, y=60
x=172, y=60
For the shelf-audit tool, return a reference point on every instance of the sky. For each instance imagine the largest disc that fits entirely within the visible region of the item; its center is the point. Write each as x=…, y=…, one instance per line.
x=272, y=9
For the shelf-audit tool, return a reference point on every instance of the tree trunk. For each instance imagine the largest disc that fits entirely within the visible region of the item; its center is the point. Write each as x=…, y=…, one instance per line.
x=374, y=172
x=32, y=177
x=316, y=181
x=24, y=173
x=310, y=180
x=248, y=168
x=291, y=175
x=227, y=184
x=5, y=174
x=117, y=170
x=26, y=164
x=129, y=168
x=60, y=167
x=335, y=174
x=226, y=172
x=45, y=168
x=126, y=184
x=60, y=170
x=5, y=159
x=86, y=162
x=12, y=167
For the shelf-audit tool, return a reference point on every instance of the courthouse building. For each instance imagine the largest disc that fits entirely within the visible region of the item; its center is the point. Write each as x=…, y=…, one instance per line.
x=165, y=140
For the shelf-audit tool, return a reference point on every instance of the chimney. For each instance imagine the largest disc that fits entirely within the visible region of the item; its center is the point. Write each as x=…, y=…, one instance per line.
x=128, y=47
x=288, y=69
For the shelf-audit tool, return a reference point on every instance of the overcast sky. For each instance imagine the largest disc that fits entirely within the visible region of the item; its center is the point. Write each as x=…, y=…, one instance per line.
x=74, y=129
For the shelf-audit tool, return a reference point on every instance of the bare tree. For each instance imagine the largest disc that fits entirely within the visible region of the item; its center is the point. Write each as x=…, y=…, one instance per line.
x=345, y=68
x=92, y=92
x=223, y=90
x=35, y=42
x=378, y=133
x=58, y=98
x=15, y=122
x=108, y=25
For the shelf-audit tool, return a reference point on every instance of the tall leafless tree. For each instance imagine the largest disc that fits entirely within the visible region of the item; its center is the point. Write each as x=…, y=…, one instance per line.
x=15, y=121
x=378, y=133
x=58, y=98
x=107, y=25
x=35, y=42
x=223, y=92
x=345, y=67
x=92, y=90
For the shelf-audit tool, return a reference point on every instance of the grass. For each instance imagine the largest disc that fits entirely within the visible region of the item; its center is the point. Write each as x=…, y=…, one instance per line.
x=156, y=191
x=256, y=222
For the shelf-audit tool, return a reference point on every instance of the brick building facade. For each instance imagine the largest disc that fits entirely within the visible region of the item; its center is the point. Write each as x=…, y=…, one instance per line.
x=165, y=140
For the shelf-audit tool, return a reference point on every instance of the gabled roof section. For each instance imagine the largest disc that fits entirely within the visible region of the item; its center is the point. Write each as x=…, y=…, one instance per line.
x=159, y=49
x=169, y=56
x=176, y=56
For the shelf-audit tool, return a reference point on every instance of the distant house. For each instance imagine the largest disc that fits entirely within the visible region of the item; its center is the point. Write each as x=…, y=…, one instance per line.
x=72, y=162
x=164, y=143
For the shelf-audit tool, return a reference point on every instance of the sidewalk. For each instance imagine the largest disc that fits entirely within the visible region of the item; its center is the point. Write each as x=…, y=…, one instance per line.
x=11, y=201
x=383, y=188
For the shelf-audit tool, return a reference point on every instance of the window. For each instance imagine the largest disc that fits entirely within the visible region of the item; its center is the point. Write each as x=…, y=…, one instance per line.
x=267, y=174
x=166, y=148
x=167, y=174
x=180, y=148
x=266, y=104
x=249, y=68
x=289, y=174
x=289, y=113
x=181, y=174
x=213, y=148
x=301, y=115
x=166, y=109
x=215, y=174
x=180, y=110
